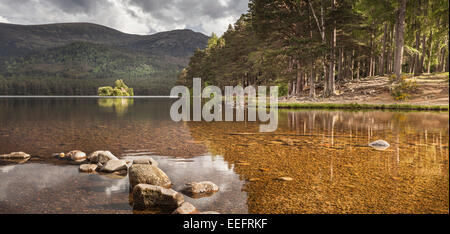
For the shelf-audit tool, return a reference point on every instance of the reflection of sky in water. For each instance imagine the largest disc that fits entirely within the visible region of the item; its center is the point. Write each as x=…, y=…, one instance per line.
x=35, y=176
x=45, y=188
x=230, y=198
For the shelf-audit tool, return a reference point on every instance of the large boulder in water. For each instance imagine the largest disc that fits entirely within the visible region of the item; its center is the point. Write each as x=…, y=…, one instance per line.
x=114, y=165
x=148, y=174
x=147, y=196
x=101, y=156
x=379, y=145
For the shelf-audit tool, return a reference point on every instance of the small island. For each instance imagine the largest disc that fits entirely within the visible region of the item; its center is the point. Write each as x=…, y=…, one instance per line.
x=120, y=89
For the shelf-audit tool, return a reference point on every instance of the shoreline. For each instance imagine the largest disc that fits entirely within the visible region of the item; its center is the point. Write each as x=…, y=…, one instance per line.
x=357, y=106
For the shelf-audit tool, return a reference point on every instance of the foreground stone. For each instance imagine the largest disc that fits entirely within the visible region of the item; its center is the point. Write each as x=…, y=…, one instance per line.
x=101, y=157
x=148, y=174
x=88, y=168
x=76, y=155
x=114, y=165
x=147, y=196
x=201, y=187
x=186, y=208
x=15, y=155
x=380, y=145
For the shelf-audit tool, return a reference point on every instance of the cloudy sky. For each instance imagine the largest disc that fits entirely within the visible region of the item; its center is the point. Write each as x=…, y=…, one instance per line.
x=130, y=16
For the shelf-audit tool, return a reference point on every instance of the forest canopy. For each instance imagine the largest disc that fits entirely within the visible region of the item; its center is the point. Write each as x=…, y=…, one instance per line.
x=299, y=44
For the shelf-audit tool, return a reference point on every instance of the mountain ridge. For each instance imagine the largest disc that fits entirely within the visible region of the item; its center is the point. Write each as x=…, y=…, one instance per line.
x=37, y=57
x=26, y=38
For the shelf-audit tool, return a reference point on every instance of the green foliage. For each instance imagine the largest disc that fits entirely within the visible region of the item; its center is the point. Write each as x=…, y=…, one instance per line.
x=120, y=89
x=105, y=91
x=403, y=89
x=282, y=89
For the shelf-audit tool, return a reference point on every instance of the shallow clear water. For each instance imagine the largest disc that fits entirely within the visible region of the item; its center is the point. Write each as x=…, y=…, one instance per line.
x=324, y=152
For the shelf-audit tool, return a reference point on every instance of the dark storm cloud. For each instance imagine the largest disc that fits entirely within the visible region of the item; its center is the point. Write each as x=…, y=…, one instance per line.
x=132, y=16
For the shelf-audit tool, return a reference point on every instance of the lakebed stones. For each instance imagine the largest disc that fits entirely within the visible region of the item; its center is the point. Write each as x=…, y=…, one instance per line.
x=76, y=155
x=186, y=208
x=380, y=145
x=284, y=178
x=148, y=174
x=15, y=155
x=200, y=188
x=101, y=156
x=88, y=168
x=114, y=165
x=146, y=196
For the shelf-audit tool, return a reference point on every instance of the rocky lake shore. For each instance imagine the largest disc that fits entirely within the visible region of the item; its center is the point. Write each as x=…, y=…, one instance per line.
x=150, y=187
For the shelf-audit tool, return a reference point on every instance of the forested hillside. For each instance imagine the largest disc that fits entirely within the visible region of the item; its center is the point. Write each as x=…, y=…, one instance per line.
x=77, y=58
x=299, y=44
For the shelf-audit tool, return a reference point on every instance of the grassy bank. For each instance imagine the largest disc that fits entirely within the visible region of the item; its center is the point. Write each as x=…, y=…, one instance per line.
x=357, y=106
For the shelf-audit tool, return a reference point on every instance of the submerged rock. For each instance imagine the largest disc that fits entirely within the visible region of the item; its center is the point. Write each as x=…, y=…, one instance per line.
x=285, y=178
x=76, y=155
x=150, y=161
x=147, y=196
x=201, y=187
x=114, y=165
x=186, y=208
x=379, y=145
x=101, y=156
x=88, y=168
x=15, y=155
x=148, y=174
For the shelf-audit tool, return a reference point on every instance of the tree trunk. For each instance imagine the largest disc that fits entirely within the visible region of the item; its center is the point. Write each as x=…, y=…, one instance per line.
x=340, y=70
x=430, y=50
x=400, y=39
x=422, y=57
x=353, y=64
x=332, y=69
x=299, y=87
x=446, y=61
x=312, y=86
x=383, y=51
x=357, y=70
